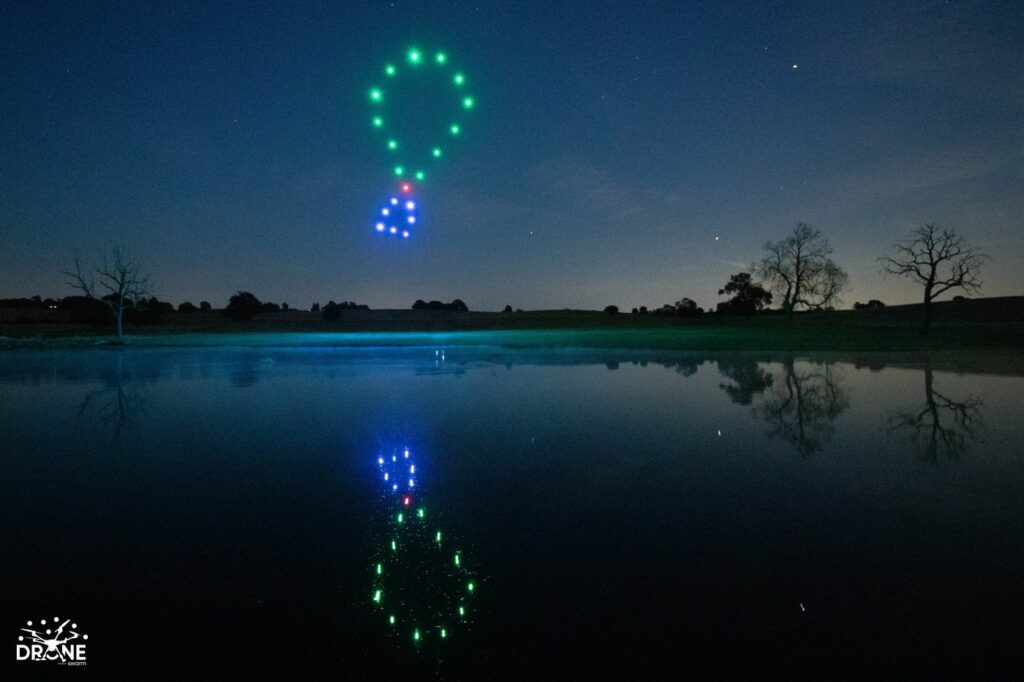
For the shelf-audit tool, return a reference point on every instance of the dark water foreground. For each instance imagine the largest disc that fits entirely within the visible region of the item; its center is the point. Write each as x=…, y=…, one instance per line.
x=205, y=513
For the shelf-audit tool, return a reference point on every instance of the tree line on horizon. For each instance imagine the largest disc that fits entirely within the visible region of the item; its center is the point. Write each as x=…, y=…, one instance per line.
x=797, y=270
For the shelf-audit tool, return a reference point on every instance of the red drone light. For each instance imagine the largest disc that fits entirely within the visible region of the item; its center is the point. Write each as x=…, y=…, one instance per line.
x=406, y=187
x=406, y=500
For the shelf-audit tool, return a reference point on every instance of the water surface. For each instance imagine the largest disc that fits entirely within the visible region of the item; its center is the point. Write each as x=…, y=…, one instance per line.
x=617, y=513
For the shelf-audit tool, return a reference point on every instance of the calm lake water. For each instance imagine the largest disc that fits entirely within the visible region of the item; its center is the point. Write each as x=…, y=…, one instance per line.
x=601, y=513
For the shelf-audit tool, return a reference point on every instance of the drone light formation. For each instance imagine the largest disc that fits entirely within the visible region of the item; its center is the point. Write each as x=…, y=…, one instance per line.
x=422, y=590
x=411, y=158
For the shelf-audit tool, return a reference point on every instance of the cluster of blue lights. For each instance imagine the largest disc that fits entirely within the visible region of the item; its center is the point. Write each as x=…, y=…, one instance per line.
x=396, y=217
x=398, y=471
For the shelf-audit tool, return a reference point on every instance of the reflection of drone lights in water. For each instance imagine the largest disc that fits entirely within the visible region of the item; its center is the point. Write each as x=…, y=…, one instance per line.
x=420, y=580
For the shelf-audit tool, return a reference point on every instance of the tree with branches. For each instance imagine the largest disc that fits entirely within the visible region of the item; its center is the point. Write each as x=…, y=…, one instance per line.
x=118, y=283
x=939, y=260
x=801, y=270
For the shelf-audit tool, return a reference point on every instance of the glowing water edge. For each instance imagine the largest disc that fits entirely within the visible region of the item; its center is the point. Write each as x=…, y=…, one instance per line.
x=222, y=512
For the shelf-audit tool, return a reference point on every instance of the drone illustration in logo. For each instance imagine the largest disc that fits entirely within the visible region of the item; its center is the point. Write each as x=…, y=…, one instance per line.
x=52, y=640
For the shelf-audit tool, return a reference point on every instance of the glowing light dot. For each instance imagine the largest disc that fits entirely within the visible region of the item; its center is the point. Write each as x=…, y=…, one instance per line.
x=378, y=122
x=416, y=635
x=444, y=633
x=393, y=230
x=410, y=205
x=385, y=477
x=376, y=95
x=376, y=596
x=412, y=469
x=401, y=517
x=436, y=152
x=420, y=175
x=407, y=453
x=394, y=202
x=392, y=144
x=406, y=500
x=391, y=619
x=455, y=129
x=405, y=234
x=420, y=512
x=380, y=460
x=468, y=102
x=470, y=587
x=389, y=70
x=411, y=483
x=462, y=611
x=380, y=569
x=399, y=170
x=385, y=211
x=380, y=228
x=459, y=79
x=405, y=187
x=438, y=536
x=394, y=546
x=458, y=561
x=411, y=219
x=394, y=487
x=415, y=56
x=441, y=58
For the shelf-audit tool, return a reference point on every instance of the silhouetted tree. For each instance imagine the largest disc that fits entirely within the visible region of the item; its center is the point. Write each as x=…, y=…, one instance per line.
x=187, y=307
x=456, y=305
x=873, y=304
x=270, y=308
x=284, y=306
x=687, y=307
x=612, y=309
x=331, y=311
x=748, y=296
x=939, y=260
x=941, y=424
x=205, y=305
x=800, y=269
x=243, y=306
x=315, y=308
x=120, y=276
x=507, y=309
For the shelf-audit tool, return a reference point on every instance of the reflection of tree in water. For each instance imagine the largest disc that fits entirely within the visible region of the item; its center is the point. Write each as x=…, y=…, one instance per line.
x=801, y=407
x=804, y=408
x=748, y=379
x=941, y=424
x=118, y=404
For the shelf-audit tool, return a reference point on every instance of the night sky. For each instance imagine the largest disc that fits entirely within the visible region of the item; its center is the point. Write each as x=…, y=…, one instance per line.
x=229, y=145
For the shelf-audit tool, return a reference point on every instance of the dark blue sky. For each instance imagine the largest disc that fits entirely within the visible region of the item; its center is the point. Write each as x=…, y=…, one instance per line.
x=228, y=145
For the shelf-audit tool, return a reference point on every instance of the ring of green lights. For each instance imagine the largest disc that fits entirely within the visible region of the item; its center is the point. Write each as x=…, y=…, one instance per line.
x=417, y=60
x=410, y=531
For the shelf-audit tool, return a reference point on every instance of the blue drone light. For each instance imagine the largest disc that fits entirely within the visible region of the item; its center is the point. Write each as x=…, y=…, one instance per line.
x=396, y=216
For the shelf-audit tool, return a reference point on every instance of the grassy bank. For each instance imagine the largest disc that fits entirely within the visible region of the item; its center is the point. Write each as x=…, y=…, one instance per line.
x=983, y=323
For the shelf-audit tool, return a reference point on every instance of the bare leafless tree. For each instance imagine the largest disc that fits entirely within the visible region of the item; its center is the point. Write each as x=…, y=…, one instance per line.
x=118, y=283
x=938, y=259
x=799, y=268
